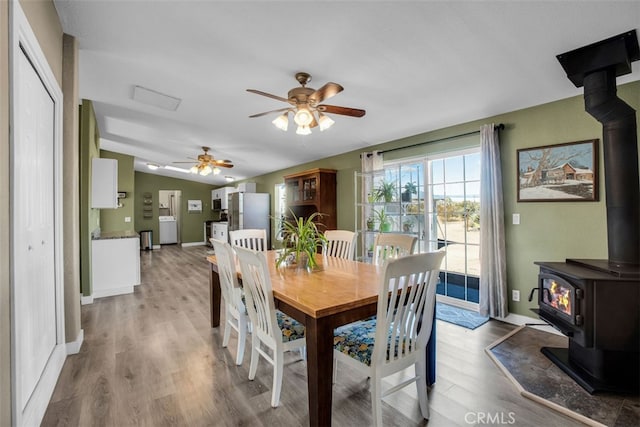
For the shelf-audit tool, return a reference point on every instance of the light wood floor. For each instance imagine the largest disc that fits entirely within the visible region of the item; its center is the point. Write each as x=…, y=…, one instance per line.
x=150, y=358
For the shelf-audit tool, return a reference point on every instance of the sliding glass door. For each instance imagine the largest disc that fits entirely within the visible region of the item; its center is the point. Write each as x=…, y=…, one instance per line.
x=453, y=213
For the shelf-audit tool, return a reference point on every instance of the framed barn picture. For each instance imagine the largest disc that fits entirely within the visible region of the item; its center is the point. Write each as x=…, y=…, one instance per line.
x=559, y=173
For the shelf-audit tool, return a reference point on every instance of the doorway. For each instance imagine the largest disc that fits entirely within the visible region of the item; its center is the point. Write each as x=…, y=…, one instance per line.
x=453, y=187
x=169, y=216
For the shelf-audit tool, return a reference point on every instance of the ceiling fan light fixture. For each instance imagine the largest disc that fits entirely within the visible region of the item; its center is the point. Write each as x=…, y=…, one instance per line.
x=206, y=170
x=216, y=171
x=303, y=117
x=282, y=122
x=194, y=169
x=303, y=130
x=325, y=122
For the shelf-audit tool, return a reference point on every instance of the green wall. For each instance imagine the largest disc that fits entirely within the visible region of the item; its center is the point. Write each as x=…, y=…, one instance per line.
x=89, y=218
x=549, y=231
x=192, y=223
x=114, y=219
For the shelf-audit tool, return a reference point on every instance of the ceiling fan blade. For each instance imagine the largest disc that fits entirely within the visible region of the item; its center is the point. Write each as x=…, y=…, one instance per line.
x=195, y=161
x=326, y=92
x=269, y=112
x=268, y=95
x=345, y=111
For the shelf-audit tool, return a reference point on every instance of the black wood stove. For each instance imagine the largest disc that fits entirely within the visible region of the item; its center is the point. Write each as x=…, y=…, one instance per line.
x=596, y=303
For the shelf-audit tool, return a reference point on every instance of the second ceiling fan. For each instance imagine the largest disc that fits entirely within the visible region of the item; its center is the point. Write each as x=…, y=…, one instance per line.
x=306, y=106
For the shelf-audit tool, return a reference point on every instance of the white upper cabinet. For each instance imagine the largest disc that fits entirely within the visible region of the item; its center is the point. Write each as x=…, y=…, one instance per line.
x=104, y=183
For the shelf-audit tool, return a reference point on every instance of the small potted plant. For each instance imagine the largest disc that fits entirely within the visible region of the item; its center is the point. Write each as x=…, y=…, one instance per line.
x=386, y=191
x=384, y=220
x=371, y=223
x=407, y=225
x=301, y=239
x=409, y=189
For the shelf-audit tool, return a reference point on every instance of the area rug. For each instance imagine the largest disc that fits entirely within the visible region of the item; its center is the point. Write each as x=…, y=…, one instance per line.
x=459, y=316
x=537, y=378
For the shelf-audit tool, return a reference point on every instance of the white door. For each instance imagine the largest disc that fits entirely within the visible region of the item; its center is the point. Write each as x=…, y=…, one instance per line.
x=37, y=306
x=33, y=221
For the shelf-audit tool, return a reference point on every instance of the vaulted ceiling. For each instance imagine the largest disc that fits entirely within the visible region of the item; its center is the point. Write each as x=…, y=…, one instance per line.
x=414, y=66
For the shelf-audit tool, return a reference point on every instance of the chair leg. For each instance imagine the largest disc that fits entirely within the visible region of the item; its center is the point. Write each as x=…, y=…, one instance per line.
x=253, y=367
x=421, y=384
x=376, y=400
x=278, y=367
x=242, y=338
x=227, y=327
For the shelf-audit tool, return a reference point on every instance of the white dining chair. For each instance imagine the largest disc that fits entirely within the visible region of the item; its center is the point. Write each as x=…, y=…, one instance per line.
x=251, y=238
x=393, y=245
x=397, y=337
x=340, y=243
x=235, y=313
x=271, y=328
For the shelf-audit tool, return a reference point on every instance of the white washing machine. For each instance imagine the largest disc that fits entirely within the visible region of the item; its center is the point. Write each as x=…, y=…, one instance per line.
x=168, y=230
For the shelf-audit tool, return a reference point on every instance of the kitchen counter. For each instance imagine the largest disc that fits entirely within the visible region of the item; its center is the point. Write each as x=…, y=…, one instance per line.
x=125, y=234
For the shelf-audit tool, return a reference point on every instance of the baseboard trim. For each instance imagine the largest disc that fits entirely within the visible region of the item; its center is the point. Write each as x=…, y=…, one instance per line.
x=73, y=347
x=186, y=245
x=86, y=300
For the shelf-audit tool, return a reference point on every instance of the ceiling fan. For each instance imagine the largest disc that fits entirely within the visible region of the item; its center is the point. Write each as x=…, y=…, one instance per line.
x=207, y=164
x=306, y=106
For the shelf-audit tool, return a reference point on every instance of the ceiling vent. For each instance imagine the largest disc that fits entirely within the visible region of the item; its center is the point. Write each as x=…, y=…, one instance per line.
x=157, y=99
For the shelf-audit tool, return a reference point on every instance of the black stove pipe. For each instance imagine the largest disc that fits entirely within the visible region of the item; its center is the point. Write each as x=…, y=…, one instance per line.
x=620, y=147
x=596, y=67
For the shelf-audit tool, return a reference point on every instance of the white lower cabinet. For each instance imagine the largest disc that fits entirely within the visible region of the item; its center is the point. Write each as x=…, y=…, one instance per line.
x=115, y=266
x=219, y=231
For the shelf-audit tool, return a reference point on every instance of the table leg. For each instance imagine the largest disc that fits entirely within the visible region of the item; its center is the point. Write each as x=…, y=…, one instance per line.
x=319, y=337
x=214, y=297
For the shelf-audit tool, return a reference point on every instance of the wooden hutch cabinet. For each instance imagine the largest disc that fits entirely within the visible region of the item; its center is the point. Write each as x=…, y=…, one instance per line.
x=312, y=191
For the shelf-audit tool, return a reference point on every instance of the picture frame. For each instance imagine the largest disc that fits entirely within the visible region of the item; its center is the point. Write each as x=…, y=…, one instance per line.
x=565, y=172
x=194, y=206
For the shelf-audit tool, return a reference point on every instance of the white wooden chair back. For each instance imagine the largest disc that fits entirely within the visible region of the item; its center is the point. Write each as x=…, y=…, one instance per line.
x=250, y=238
x=393, y=245
x=340, y=243
x=406, y=302
x=235, y=311
x=256, y=283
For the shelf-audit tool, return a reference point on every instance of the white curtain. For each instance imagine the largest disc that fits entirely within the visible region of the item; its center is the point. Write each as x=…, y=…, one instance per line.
x=493, y=266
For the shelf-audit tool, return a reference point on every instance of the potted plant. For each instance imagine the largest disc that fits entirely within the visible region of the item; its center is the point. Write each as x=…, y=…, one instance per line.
x=371, y=223
x=407, y=225
x=301, y=240
x=386, y=191
x=409, y=189
x=383, y=220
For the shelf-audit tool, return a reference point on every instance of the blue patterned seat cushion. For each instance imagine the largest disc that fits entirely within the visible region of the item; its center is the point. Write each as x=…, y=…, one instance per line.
x=291, y=328
x=356, y=340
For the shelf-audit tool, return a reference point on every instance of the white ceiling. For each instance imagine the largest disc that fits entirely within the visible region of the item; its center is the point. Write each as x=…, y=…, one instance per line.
x=413, y=66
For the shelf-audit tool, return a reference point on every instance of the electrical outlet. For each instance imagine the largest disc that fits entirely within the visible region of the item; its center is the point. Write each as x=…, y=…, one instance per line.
x=127, y=219
x=515, y=295
x=516, y=219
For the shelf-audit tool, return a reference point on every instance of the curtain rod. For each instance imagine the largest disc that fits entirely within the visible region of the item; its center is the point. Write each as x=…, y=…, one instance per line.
x=496, y=127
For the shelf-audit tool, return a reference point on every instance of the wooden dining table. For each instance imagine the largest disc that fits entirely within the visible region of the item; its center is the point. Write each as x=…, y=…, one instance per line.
x=335, y=293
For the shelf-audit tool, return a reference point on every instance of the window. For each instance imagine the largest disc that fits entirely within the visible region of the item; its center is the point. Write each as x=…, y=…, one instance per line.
x=444, y=211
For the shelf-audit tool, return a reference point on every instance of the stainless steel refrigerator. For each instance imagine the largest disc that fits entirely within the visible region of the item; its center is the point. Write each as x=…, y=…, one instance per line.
x=249, y=210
